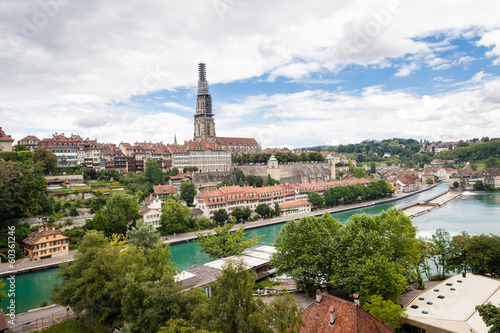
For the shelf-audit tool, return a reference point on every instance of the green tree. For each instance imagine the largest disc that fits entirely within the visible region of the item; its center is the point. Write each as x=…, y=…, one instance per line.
x=440, y=252
x=241, y=214
x=483, y=254
x=188, y=191
x=119, y=215
x=479, y=186
x=225, y=243
x=27, y=186
x=264, y=210
x=284, y=314
x=3, y=293
x=385, y=311
x=179, y=325
x=270, y=181
x=154, y=174
x=340, y=174
x=143, y=235
x=221, y=216
x=306, y=250
x=373, y=167
x=73, y=211
x=47, y=157
x=276, y=211
x=359, y=173
x=21, y=148
x=315, y=199
x=456, y=184
x=174, y=217
x=150, y=294
x=490, y=315
x=492, y=162
x=232, y=307
x=91, y=284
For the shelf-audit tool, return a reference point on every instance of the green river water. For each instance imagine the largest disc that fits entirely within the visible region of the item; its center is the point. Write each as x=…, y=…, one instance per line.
x=474, y=213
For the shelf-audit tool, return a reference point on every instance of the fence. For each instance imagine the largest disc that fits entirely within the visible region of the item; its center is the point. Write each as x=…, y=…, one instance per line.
x=42, y=323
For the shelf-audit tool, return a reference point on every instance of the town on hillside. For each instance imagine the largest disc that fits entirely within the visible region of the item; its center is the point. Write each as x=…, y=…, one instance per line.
x=75, y=200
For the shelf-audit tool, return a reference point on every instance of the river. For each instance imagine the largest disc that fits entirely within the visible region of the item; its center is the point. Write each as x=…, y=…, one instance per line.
x=474, y=213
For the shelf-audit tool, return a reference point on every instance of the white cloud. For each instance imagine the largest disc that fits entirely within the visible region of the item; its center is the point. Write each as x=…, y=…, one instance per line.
x=407, y=69
x=177, y=106
x=321, y=117
x=78, y=68
x=492, y=39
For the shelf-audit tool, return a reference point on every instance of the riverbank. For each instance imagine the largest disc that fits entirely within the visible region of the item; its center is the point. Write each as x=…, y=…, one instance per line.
x=190, y=236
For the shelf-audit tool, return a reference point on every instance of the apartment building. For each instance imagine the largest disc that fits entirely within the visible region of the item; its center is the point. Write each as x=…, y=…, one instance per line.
x=66, y=149
x=45, y=243
x=230, y=197
x=29, y=141
x=207, y=156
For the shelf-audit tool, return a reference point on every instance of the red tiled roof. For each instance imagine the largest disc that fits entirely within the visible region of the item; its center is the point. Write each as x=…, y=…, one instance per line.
x=5, y=137
x=180, y=149
x=349, y=317
x=202, y=145
x=295, y=204
x=36, y=235
x=237, y=141
x=30, y=137
x=164, y=189
x=490, y=172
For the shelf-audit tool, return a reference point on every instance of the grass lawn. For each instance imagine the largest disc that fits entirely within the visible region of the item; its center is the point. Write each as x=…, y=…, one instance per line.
x=71, y=326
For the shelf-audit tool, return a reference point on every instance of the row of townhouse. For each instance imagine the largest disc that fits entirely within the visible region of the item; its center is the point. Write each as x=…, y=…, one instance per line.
x=291, y=198
x=468, y=178
x=73, y=150
x=404, y=183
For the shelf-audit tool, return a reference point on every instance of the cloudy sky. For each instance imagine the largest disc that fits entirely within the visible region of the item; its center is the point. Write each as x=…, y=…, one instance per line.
x=286, y=72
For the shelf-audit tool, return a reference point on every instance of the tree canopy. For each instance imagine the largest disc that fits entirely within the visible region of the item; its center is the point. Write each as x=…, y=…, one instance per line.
x=370, y=255
x=143, y=235
x=226, y=243
x=118, y=215
x=110, y=283
x=491, y=316
x=174, y=217
x=188, y=191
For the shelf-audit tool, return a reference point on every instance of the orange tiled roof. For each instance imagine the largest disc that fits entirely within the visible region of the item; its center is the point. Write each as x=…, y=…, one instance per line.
x=164, y=189
x=36, y=235
x=349, y=317
x=5, y=137
x=237, y=141
x=295, y=204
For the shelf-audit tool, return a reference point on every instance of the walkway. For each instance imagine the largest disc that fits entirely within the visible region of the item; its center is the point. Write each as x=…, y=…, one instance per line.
x=428, y=206
x=40, y=319
x=26, y=265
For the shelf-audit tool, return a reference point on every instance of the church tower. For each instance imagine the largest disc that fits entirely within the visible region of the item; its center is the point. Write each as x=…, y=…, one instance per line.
x=204, y=124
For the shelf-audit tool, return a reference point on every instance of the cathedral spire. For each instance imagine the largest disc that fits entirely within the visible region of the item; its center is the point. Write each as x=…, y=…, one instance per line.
x=204, y=124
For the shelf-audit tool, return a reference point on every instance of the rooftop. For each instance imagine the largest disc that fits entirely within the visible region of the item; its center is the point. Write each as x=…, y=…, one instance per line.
x=453, y=303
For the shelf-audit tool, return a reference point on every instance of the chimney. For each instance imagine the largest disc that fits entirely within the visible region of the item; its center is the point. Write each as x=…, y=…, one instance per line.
x=356, y=299
x=332, y=316
x=319, y=296
x=40, y=227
